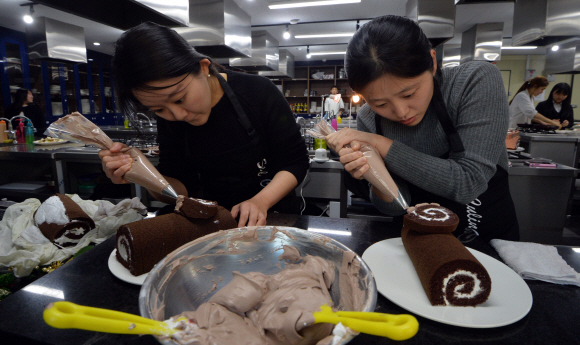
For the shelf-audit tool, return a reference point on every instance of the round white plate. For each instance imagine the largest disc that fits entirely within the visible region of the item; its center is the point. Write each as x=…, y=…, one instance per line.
x=123, y=273
x=519, y=149
x=510, y=299
x=48, y=143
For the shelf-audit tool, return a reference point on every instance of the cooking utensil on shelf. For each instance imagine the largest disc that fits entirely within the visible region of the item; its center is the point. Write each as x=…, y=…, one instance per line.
x=70, y=315
x=396, y=327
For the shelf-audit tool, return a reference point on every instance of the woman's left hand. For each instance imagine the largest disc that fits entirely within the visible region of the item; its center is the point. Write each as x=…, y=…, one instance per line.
x=345, y=136
x=251, y=213
x=565, y=123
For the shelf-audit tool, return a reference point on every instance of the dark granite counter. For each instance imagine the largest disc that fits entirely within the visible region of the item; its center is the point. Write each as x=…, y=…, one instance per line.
x=86, y=280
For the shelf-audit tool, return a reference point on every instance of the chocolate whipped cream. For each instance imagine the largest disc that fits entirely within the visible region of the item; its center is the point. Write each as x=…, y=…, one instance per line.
x=266, y=309
x=75, y=127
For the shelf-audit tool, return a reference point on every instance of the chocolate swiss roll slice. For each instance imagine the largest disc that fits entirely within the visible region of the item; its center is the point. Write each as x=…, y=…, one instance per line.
x=142, y=244
x=195, y=208
x=449, y=273
x=62, y=221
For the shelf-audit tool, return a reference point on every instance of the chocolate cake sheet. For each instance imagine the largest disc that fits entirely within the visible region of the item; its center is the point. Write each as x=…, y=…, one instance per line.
x=449, y=273
x=142, y=244
x=67, y=235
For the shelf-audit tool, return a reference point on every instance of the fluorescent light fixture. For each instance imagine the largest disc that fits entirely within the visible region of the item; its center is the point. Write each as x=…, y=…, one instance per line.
x=328, y=53
x=27, y=19
x=97, y=43
x=41, y=290
x=294, y=4
x=555, y=48
x=332, y=232
x=522, y=47
x=346, y=34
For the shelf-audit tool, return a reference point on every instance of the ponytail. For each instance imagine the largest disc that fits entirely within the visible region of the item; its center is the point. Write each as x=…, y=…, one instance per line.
x=535, y=82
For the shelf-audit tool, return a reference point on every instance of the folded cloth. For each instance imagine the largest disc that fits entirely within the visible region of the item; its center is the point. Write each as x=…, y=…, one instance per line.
x=536, y=261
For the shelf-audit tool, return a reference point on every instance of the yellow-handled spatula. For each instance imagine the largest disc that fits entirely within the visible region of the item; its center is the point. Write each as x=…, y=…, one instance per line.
x=396, y=327
x=70, y=315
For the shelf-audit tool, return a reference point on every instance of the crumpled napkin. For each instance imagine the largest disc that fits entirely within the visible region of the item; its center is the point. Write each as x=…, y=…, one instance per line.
x=23, y=246
x=536, y=261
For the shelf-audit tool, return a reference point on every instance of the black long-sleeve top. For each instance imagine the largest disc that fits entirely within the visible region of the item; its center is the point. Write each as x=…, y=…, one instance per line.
x=547, y=109
x=267, y=110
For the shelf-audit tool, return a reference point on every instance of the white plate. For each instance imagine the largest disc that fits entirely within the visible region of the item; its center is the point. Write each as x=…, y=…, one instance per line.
x=123, y=273
x=48, y=143
x=510, y=299
x=519, y=149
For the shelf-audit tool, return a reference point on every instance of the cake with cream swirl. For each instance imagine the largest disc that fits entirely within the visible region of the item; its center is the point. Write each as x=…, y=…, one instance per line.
x=449, y=273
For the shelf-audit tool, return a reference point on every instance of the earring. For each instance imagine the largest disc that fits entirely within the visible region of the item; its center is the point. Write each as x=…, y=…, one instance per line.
x=209, y=75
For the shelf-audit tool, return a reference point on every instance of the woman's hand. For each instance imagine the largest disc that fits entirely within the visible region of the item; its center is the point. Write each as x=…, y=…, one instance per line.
x=352, y=159
x=251, y=213
x=345, y=136
x=565, y=123
x=115, y=164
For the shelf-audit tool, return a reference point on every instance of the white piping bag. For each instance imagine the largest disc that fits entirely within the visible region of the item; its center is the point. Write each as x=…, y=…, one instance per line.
x=377, y=175
x=77, y=128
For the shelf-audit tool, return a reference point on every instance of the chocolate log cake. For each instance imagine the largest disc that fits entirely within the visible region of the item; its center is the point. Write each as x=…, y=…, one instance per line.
x=62, y=221
x=142, y=244
x=449, y=273
x=195, y=208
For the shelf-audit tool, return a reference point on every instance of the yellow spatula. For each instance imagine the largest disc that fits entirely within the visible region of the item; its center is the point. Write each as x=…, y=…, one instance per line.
x=70, y=315
x=396, y=327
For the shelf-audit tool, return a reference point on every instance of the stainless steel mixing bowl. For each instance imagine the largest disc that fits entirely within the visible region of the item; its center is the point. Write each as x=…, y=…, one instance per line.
x=184, y=279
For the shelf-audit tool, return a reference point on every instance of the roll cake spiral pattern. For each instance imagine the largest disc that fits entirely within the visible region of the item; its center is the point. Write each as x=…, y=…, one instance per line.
x=449, y=273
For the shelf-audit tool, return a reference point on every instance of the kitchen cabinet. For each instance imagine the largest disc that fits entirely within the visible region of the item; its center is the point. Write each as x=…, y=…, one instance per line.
x=304, y=89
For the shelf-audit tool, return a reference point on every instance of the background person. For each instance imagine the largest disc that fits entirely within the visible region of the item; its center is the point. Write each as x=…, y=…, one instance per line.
x=557, y=106
x=522, y=104
x=331, y=106
x=24, y=103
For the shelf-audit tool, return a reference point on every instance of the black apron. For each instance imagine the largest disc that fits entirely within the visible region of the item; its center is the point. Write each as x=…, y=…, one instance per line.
x=237, y=175
x=492, y=214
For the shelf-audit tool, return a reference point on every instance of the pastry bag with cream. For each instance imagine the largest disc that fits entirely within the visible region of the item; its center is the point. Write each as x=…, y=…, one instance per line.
x=77, y=128
x=377, y=175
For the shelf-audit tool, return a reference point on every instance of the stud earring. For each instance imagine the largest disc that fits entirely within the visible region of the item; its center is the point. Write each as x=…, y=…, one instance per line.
x=209, y=75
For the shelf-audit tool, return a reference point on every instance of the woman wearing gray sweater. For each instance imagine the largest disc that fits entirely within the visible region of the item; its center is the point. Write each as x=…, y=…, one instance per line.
x=441, y=133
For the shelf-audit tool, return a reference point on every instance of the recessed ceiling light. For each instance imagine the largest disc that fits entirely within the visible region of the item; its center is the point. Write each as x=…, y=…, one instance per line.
x=328, y=53
x=346, y=34
x=555, y=48
x=293, y=4
x=522, y=47
x=97, y=43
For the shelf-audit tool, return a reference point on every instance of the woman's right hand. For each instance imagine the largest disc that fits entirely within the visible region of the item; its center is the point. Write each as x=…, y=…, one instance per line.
x=115, y=164
x=352, y=159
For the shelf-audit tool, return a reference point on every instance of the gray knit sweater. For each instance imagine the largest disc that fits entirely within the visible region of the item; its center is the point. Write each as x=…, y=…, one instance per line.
x=477, y=104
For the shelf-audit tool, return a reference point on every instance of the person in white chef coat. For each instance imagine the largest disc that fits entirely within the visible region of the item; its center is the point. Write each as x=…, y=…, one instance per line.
x=333, y=104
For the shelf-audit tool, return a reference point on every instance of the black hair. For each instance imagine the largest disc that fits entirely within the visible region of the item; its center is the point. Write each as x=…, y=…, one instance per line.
x=151, y=52
x=20, y=98
x=561, y=88
x=388, y=44
x=334, y=86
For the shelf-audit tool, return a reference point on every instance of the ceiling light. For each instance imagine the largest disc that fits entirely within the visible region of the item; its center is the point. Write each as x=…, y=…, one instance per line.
x=308, y=55
x=355, y=98
x=328, y=53
x=286, y=33
x=522, y=47
x=555, y=48
x=293, y=4
x=97, y=43
x=294, y=21
x=28, y=17
x=346, y=34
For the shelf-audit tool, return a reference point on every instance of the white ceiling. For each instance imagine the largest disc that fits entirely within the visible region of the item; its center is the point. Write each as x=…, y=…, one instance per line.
x=466, y=16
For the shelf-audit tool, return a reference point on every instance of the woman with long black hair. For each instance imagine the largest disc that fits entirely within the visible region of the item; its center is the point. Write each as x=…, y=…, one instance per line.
x=24, y=104
x=557, y=106
x=441, y=133
x=223, y=136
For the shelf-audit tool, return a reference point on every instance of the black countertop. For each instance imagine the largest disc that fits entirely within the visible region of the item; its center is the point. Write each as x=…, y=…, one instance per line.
x=86, y=280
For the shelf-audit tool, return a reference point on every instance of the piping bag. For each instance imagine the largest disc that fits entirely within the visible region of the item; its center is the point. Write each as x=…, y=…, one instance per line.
x=77, y=128
x=377, y=175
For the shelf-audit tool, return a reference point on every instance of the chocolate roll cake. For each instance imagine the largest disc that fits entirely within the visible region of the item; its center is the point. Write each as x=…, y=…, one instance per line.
x=195, y=208
x=449, y=273
x=142, y=244
x=62, y=221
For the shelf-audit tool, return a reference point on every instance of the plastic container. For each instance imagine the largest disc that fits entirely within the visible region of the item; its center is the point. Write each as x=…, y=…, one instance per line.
x=29, y=133
x=3, y=134
x=20, y=136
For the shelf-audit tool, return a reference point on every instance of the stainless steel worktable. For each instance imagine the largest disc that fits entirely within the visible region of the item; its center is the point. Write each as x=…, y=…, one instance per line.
x=560, y=148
